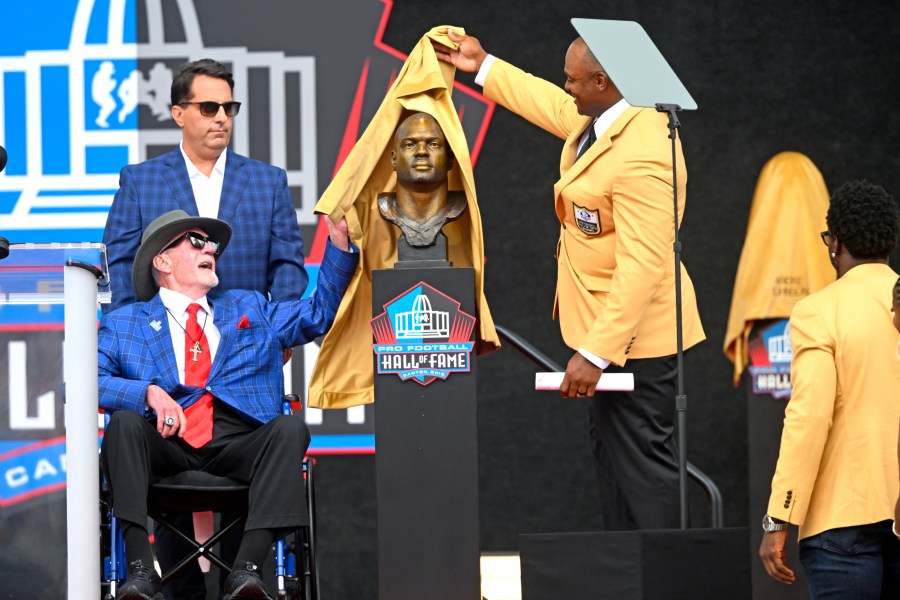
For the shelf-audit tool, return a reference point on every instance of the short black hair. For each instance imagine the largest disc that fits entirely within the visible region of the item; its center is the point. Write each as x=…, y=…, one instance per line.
x=184, y=77
x=865, y=218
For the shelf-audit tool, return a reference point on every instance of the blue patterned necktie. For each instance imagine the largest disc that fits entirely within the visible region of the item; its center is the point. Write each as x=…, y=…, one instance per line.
x=591, y=138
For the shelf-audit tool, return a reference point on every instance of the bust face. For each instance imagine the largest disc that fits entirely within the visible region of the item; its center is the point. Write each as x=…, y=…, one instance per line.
x=420, y=155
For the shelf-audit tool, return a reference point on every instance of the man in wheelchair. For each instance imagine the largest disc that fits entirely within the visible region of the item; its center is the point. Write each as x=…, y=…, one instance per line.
x=197, y=385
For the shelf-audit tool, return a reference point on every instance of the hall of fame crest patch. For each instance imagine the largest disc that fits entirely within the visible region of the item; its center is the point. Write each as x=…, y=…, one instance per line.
x=423, y=335
x=587, y=220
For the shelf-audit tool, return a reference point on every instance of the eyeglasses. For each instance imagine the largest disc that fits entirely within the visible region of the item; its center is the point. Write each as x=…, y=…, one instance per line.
x=196, y=240
x=211, y=109
x=826, y=238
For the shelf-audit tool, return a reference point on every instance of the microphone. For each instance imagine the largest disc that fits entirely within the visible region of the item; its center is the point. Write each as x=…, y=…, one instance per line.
x=3, y=158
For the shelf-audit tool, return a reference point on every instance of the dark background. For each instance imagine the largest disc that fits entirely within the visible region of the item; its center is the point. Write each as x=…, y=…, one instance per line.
x=817, y=77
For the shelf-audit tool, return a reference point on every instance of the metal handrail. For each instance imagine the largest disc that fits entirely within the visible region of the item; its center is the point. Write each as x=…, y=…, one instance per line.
x=543, y=361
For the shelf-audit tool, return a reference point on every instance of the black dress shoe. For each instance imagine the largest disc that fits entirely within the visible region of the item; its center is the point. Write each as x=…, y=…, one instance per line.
x=244, y=583
x=143, y=583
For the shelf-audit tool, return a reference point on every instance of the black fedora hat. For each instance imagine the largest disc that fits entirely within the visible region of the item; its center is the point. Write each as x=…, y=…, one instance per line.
x=162, y=231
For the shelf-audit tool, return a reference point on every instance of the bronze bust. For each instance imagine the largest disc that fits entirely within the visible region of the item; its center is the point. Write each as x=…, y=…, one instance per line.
x=421, y=203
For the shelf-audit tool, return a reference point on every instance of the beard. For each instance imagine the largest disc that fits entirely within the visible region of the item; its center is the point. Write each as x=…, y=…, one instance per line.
x=209, y=277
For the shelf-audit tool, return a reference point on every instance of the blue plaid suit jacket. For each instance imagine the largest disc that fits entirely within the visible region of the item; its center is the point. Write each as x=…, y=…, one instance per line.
x=266, y=251
x=135, y=346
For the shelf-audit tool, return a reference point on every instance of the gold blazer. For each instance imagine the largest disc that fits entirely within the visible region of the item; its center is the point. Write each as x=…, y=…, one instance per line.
x=837, y=466
x=615, y=288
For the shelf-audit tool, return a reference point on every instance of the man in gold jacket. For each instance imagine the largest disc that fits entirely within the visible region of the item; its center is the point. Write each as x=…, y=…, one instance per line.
x=615, y=290
x=837, y=467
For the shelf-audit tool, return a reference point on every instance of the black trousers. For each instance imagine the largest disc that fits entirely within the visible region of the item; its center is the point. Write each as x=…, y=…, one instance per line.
x=632, y=435
x=267, y=457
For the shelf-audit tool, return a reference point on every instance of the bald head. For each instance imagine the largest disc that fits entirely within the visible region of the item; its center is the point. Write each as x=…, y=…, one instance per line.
x=587, y=81
x=587, y=57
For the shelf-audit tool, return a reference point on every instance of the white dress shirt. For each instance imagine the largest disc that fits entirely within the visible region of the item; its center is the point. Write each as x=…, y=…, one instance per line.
x=207, y=190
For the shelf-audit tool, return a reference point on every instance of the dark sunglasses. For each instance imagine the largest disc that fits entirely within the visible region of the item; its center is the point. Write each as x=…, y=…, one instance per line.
x=826, y=237
x=211, y=109
x=196, y=240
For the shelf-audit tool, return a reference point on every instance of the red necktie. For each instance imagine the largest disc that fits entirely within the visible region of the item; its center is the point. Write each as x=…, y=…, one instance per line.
x=197, y=363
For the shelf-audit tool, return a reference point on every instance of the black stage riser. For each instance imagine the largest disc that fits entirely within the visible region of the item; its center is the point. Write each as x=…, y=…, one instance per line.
x=691, y=564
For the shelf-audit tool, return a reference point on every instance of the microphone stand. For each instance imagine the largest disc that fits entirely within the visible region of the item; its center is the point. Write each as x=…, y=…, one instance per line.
x=4, y=243
x=680, y=396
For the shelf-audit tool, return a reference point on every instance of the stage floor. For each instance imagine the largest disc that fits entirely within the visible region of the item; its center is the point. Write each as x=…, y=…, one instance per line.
x=501, y=576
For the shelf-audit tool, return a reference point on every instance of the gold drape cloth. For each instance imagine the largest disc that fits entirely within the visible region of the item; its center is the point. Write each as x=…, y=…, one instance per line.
x=343, y=375
x=783, y=259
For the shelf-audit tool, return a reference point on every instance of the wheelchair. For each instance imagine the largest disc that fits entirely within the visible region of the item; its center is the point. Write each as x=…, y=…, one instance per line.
x=295, y=574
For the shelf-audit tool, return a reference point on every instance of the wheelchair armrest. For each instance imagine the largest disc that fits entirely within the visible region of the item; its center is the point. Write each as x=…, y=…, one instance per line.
x=290, y=403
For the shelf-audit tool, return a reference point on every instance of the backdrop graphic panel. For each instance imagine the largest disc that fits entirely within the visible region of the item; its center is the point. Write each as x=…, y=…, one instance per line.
x=84, y=91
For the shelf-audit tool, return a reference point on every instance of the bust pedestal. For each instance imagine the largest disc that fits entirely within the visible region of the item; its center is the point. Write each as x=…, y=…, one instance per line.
x=426, y=428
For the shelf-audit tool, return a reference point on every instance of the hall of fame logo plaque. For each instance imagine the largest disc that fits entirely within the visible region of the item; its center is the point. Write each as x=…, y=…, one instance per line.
x=770, y=355
x=422, y=335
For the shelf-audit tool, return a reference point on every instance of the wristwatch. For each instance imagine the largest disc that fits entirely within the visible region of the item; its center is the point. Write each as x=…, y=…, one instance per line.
x=769, y=524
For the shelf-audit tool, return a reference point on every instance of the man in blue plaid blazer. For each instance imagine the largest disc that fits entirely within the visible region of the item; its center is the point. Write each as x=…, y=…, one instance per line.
x=204, y=177
x=144, y=349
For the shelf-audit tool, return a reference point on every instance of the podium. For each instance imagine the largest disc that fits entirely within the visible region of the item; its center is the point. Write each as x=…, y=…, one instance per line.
x=768, y=390
x=426, y=440
x=68, y=273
